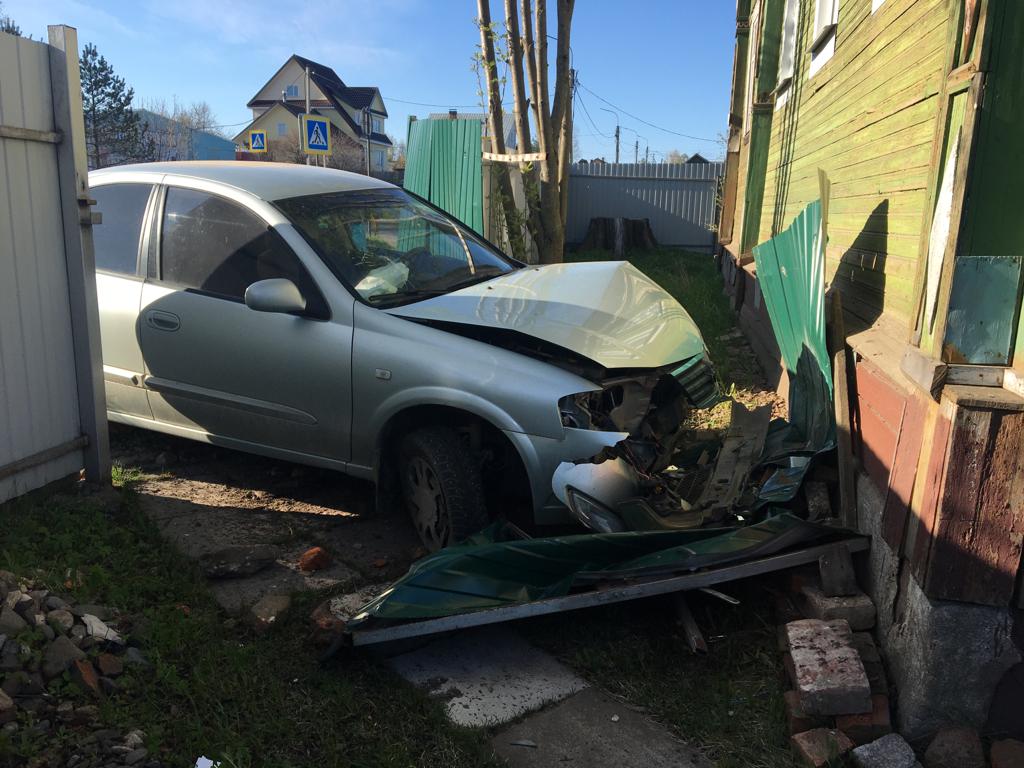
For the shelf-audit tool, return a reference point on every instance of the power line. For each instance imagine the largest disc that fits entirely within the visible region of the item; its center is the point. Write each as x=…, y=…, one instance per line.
x=589, y=118
x=641, y=120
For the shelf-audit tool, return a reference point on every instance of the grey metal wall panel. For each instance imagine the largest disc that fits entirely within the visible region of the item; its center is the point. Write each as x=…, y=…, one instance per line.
x=38, y=384
x=678, y=199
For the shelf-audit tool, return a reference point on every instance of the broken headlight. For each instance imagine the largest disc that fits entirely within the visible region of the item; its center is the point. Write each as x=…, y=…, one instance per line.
x=592, y=514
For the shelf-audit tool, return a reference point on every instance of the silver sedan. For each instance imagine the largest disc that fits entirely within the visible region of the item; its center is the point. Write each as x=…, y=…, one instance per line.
x=331, y=319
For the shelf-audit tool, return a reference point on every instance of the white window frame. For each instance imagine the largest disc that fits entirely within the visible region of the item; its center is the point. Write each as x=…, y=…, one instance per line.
x=823, y=47
x=787, y=48
x=291, y=91
x=753, y=46
x=826, y=16
x=377, y=125
x=379, y=158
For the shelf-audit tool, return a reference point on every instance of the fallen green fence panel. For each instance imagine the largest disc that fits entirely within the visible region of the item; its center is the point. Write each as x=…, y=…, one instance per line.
x=791, y=274
x=483, y=573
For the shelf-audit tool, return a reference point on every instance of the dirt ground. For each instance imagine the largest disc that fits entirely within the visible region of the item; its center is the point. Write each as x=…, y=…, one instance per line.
x=204, y=498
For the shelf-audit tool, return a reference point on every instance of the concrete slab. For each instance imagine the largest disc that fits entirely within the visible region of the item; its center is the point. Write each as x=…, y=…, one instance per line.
x=488, y=676
x=594, y=730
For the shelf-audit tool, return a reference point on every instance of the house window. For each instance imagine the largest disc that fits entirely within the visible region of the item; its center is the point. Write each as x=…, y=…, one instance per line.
x=826, y=16
x=292, y=92
x=753, y=47
x=282, y=129
x=787, y=53
x=378, y=159
x=378, y=125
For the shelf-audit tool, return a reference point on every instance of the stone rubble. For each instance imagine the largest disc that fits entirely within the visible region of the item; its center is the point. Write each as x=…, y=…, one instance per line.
x=955, y=747
x=890, y=751
x=47, y=645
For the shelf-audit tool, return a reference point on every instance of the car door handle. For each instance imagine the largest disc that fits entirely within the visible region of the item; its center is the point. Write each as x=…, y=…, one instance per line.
x=162, y=321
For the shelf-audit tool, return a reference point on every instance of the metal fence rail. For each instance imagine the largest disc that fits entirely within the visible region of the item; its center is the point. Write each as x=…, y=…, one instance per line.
x=679, y=199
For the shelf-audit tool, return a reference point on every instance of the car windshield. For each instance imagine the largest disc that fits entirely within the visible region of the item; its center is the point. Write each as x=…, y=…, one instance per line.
x=391, y=248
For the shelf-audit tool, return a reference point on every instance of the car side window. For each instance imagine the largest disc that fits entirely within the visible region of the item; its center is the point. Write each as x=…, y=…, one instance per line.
x=216, y=246
x=116, y=238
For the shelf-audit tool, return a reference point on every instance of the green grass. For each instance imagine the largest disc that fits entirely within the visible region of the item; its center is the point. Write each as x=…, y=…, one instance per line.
x=695, y=283
x=216, y=689
x=728, y=702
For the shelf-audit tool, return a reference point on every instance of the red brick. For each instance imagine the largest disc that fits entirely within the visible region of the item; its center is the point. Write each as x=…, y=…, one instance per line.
x=84, y=676
x=315, y=559
x=1008, y=753
x=798, y=721
x=109, y=665
x=819, y=747
x=829, y=675
x=867, y=727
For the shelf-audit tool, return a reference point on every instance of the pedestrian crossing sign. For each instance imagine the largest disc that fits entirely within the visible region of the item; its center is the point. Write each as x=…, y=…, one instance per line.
x=257, y=141
x=317, y=134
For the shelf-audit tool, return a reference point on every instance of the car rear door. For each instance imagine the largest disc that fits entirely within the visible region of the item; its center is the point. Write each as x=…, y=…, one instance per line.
x=119, y=241
x=271, y=380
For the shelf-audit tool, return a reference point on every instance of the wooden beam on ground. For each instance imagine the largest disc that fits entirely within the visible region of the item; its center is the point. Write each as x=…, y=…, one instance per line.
x=836, y=569
x=684, y=618
x=841, y=393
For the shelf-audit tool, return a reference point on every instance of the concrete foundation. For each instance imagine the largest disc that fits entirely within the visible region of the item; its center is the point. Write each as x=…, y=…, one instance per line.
x=944, y=658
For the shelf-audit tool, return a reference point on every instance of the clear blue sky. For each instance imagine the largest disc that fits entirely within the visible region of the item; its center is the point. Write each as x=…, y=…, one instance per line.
x=665, y=61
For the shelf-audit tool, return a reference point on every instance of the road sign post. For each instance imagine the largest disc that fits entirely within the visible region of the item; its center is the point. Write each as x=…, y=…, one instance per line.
x=316, y=135
x=257, y=141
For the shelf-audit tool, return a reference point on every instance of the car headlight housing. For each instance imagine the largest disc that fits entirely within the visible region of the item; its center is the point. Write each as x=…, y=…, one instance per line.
x=592, y=514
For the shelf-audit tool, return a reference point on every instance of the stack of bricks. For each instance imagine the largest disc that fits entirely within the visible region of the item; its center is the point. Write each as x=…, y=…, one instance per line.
x=839, y=698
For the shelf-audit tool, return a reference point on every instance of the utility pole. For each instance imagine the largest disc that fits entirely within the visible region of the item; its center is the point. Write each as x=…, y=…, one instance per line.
x=647, y=152
x=307, y=108
x=616, y=131
x=636, y=151
x=366, y=134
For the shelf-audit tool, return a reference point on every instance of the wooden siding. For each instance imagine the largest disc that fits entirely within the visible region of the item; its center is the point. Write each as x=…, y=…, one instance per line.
x=866, y=118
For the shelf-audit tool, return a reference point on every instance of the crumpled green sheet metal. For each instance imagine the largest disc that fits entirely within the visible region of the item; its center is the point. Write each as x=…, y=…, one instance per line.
x=484, y=573
x=791, y=275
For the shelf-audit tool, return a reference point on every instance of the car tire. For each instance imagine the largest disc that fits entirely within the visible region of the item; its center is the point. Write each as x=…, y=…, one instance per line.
x=441, y=486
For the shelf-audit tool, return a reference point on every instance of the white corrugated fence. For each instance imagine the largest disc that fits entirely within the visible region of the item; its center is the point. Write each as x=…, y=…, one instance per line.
x=679, y=199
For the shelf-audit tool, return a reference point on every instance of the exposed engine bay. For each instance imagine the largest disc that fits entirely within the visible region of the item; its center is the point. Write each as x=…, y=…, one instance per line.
x=657, y=478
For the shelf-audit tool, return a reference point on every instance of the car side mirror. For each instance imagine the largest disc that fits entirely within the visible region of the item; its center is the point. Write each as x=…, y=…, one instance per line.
x=274, y=295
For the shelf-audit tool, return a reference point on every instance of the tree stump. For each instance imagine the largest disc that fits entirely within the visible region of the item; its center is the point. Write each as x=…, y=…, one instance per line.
x=619, y=235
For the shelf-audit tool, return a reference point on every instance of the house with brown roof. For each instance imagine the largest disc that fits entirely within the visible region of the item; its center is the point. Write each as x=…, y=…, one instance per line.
x=357, y=113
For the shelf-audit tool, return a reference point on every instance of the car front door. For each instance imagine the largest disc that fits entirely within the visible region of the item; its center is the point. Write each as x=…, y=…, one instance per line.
x=118, y=240
x=267, y=379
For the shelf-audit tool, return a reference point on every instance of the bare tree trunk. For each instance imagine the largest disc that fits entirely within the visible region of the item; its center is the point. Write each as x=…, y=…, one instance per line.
x=495, y=122
x=521, y=109
x=547, y=184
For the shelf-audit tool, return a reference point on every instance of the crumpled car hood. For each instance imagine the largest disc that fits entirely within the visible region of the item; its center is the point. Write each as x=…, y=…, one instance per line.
x=606, y=311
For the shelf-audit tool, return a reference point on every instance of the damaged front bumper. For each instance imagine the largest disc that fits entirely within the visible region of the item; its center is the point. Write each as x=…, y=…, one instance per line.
x=651, y=479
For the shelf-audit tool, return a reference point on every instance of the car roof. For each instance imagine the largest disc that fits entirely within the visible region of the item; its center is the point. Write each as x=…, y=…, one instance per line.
x=268, y=181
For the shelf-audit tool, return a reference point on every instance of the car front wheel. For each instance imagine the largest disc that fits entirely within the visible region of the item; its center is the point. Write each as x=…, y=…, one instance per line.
x=442, y=487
